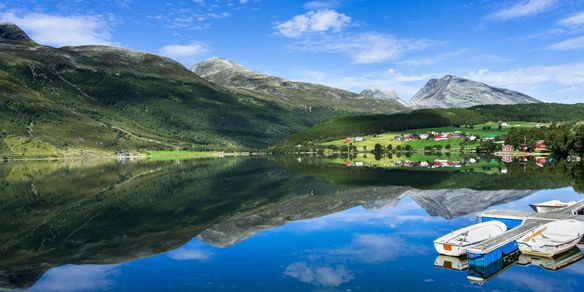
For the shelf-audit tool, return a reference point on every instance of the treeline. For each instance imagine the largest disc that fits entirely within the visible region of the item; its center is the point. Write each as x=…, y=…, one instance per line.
x=565, y=139
x=429, y=118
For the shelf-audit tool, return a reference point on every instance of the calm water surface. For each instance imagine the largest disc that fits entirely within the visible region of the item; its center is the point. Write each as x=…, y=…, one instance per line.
x=264, y=224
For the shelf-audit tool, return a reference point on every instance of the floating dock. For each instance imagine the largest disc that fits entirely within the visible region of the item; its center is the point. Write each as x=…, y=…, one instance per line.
x=519, y=222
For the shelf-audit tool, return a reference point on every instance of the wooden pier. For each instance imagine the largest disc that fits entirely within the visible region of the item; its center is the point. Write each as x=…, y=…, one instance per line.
x=520, y=223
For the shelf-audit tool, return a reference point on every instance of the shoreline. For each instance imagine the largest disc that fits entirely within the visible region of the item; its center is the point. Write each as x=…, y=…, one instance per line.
x=168, y=154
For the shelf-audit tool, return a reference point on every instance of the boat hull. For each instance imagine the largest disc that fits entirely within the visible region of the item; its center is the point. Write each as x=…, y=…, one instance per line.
x=547, y=252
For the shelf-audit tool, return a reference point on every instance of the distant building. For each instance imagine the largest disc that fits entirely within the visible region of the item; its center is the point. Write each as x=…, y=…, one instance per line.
x=523, y=148
x=398, y=138
x=540, y=145
x=424, y=164
x=348, y=140
x=424, y=136
x=540, y=161
x=358, y=139
x=508, y=148
x=472, y=137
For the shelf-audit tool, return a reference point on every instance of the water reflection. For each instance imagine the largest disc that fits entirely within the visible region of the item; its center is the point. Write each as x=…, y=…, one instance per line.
x=244, y=224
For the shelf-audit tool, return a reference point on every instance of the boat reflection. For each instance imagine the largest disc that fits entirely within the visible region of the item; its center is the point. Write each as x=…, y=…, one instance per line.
x=481, y=274
x=451, y=263
x=558, y=262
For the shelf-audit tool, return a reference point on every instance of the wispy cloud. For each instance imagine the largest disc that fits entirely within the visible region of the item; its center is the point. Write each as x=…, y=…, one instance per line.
x=572, y=21
x=406, y=85
x=316, y=5
x=564, y=74
x=557, y=82
x=326, y=276
x=363, y=48
x=313, y=21
x=57, y=30
x=522, y=9
x=184, y=51
x=78, y=278
x=189, y=252
x=376, y=248
x=569, y=44
x=435, y=59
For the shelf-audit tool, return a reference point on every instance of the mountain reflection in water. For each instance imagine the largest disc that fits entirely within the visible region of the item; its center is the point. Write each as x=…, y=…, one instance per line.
x=249, y=223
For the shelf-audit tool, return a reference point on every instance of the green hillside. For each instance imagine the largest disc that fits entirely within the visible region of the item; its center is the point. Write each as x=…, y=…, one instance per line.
x=351, y=126
x=94, y=100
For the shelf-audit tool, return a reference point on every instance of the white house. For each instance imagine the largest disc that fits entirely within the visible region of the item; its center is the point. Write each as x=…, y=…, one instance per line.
x=358, y=139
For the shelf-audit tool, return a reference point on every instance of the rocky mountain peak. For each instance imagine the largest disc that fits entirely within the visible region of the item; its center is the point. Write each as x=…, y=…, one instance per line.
x=12, y=33
x=455, y=92
x=215, y=65
x=382, y=94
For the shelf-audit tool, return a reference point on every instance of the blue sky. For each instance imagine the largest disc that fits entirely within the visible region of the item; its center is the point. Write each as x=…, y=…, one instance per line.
x=533, y=46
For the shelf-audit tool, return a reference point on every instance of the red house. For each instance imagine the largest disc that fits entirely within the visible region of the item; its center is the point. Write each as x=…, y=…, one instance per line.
x=540, y=145
x=348, y=140
x=508, y=148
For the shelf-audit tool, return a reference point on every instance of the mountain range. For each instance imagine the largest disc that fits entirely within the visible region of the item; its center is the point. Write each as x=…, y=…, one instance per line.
x=95, y=100
x=288, y=93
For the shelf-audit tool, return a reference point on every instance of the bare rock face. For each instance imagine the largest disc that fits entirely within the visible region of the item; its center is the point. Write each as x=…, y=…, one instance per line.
x=455, y=92
x=452, y=203
x=12, y=33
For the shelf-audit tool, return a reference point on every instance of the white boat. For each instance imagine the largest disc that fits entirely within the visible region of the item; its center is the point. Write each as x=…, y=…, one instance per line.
x=548, y=206
x=552, y=238
x=457, y=242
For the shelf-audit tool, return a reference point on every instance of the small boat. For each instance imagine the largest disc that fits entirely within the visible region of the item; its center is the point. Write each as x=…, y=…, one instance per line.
x=457, y=242
x=552, y=238
x=548, y=206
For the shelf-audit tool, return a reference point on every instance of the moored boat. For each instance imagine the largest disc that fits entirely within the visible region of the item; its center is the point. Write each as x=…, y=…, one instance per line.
x=457, y=242
x=552, y=238
x=548, y=206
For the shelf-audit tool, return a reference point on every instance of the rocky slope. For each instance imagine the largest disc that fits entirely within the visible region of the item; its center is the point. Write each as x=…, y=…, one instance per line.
x=381, y=94
x=455, y=92
x=308, y=96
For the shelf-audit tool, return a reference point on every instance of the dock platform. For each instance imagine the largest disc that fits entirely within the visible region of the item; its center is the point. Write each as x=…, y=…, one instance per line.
x=519, y=223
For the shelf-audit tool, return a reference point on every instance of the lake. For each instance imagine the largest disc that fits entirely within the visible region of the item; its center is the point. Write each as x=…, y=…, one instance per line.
x=263, y=224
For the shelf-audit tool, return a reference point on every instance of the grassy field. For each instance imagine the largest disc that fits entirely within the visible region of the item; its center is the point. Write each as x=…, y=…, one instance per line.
x=387, y=138
x=174, y=155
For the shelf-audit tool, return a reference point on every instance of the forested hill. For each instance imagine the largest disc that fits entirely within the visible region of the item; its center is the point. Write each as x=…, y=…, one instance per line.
x=337, y=128
x=95, y=100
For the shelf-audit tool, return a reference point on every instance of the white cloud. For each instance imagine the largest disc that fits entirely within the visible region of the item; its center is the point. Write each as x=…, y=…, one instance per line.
x=565, y=74
x=78, y=278
x=59, y=31
x=319, y=275
x=523, y=9
x=569, y=44
x=558, y=83
x=572, y=21
x=376, y=248
x=184, y=51
x=190, y=253
x=313, y=21
x=363, y=48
